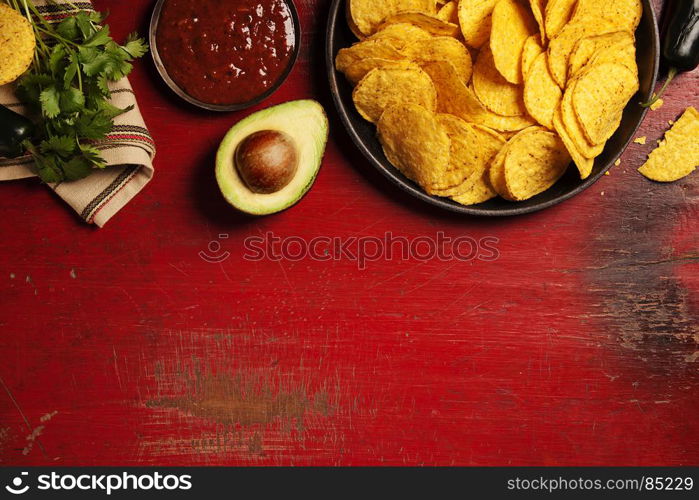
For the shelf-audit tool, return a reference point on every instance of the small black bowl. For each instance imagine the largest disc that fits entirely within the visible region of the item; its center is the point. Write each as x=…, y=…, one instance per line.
x=153, y=40
x=363, y=133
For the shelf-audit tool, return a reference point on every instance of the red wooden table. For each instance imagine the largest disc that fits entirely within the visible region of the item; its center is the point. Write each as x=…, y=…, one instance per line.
x=579, y=345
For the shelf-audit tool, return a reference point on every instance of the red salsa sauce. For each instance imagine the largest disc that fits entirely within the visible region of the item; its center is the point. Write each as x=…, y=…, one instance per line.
x=225, y=51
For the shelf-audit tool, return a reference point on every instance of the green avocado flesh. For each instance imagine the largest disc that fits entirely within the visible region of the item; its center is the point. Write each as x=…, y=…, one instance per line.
x=306, y=123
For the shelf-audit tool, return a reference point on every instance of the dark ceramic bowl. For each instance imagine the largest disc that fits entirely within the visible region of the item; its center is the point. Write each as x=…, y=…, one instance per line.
x=363, y=134
x=153, y=30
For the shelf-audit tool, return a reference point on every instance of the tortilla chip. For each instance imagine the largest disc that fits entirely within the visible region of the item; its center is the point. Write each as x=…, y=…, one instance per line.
x=422, y=155
x=599, y=97
x=17, y=44
x=496, y=174
x=442, y=48
x=512, y=25
x=678, y=156
x=472, y=149
x=496, y=93
x=382, y=88
x=457, y=99
x=562, y=45
x=367, y=15
x=449, y=12
x=534, y=162
x=475, y=20
x=583, y=163
x=538, y=8
x=400, y=35
x=429, y=23
x=556, y=14
x=541, y=94
x=480, y=192
x=574, y=129
x=624, y=14
x=531, y=50
x=374, y=49
x=359, y=69
x=616, y=47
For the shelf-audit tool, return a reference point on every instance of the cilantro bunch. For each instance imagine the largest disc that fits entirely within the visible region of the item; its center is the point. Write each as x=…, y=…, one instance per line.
x=68, y=85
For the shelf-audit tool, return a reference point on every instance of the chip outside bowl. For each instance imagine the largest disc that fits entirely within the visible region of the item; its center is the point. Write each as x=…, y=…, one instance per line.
x=162, y=71
x=363, y=133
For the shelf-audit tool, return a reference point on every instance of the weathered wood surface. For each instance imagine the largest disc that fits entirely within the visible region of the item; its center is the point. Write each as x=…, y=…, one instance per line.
x=579, y=345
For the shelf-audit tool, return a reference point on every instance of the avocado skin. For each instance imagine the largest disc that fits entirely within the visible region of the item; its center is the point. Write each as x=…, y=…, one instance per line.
x=306, y=122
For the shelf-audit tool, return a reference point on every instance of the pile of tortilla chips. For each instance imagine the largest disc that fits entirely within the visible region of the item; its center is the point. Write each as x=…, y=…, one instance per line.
x=479, y=98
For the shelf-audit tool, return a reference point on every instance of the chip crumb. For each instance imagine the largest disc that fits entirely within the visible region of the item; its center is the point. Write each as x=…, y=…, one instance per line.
x=607, y=173
x=671, y=122
x=640, y=140
x=657, y=105
x=617, y=163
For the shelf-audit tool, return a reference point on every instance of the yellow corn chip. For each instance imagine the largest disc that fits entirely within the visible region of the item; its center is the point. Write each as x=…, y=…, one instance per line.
x=496, y=93
x=382, y=88
x=531, y=50
x=679, y=155
x=556, y=15
x=562, y=45
x=367, y=15
x=541, y=94
x=512, y=25
x=17, y=44
x=442, y=48
x=538, y=8
x=423, y=154
x=374, y=49
x=534, y=163
x=624, y=14
x=475, y=20
x=449, y=12
x=457, y=99
x=429, y=23
x=359, y=69
x=472, y=149
x=480, y=192
x=583, y=163
x=599, y=97
x=399, y=35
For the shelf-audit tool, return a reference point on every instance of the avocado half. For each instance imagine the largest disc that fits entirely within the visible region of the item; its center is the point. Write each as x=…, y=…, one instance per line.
x=306, y=123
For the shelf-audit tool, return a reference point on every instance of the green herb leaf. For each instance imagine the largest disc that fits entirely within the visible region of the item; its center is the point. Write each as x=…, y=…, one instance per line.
x=61, y=145
x=136, y=47
x=93, y=155
x=99, y=39
x=30, y=88
x=72, y=100
x=50, y=102
x=68, y=29
x=94, y=125
x=71, y=70
x=57, y=59
x=78, y=167
x=48, y=169
x=85, y=25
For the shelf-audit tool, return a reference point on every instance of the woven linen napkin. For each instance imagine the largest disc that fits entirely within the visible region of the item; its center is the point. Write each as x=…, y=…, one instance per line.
x=128, y=149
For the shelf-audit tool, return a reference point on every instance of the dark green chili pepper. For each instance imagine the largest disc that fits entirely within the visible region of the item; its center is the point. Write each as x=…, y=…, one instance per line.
x=14, y=129
x=681, y=46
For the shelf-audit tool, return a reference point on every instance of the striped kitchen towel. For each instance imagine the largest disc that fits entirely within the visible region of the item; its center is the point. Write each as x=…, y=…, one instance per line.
x=128, y=149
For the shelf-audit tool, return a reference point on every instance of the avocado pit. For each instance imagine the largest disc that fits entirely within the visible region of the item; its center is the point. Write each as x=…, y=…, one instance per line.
x=267, y=161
